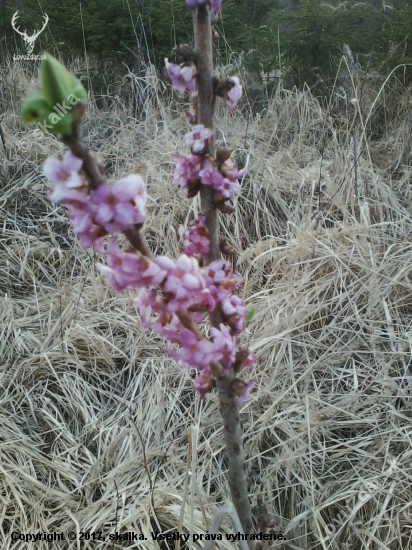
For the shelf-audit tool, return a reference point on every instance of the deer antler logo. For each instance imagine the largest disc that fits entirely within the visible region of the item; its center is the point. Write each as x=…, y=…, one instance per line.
x=29, y=40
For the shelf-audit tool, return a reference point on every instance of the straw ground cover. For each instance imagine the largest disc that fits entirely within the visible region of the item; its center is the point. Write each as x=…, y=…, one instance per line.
x=100, y=431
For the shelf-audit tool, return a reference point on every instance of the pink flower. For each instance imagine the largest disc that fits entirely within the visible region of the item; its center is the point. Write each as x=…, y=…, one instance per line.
x=227, y=187
x=229, y=170
x=194, y=353
x=204, y=383
x=69, y=196
x=224, y=344
x=65, y=172
x=129, y=270
x=215, y=5
x=186, y=171
x=195, y=237
x=245, y=358
x=193, y=3
x=186, y=274
x=184, y=285
x=197, y=317
x=220, y=279
x=182, y=77
x=167, y=324
x=166, y=263
x=235, y=93
x=197, y=137
x=69, y=188
x=120, y=206
x=210, y=175
x=147, y=304
x=88, y=233
x=234, y=311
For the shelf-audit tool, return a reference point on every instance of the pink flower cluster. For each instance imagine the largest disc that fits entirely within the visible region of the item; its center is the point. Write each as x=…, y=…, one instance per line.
x=187, y=170
x=197, y=169
x=221, y=282
x=195, y=238
x=220, y=279
x=121, y=205
x=173, y=297
x=188, y=289
x=210, y=175
x=112, y=209
x=130, y=270
x=234, y=312
x=200, y=353
x=105, y=210
x=195, y=350
x=184, y=286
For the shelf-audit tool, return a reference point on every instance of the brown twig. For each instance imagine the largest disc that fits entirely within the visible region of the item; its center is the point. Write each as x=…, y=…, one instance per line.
x=138, y=241
x=224, y=377
x=82, y=151
x=95, y=177
x=262, y=521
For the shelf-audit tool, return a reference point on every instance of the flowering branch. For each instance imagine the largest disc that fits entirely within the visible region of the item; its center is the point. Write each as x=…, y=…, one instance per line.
x=175, y=298
x=205, y=116
x=225, y=379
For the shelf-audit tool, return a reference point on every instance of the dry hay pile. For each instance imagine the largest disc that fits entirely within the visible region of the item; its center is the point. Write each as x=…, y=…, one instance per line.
x=100, y=431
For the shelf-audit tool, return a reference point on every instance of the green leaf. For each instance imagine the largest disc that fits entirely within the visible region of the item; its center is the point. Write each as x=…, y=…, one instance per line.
x=56, y=81
x=35, y=108
x=250, y=314
x=55, y=106
x=78, y=89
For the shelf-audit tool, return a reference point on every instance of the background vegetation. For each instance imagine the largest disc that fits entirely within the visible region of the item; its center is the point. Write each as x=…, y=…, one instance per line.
x=300, y=40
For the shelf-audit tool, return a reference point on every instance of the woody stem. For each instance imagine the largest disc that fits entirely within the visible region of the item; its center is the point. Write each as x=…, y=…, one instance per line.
x=224, y=380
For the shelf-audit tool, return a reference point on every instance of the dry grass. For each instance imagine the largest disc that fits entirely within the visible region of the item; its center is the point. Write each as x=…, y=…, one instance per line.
x=94, y=418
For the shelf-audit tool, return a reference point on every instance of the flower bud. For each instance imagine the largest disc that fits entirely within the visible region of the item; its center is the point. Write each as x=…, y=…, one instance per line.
x=193, y=188
x=242, y=389
x=183, y=53
x=226, y=248
x=222, y=87
x=228, y=89
x=223, y=154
